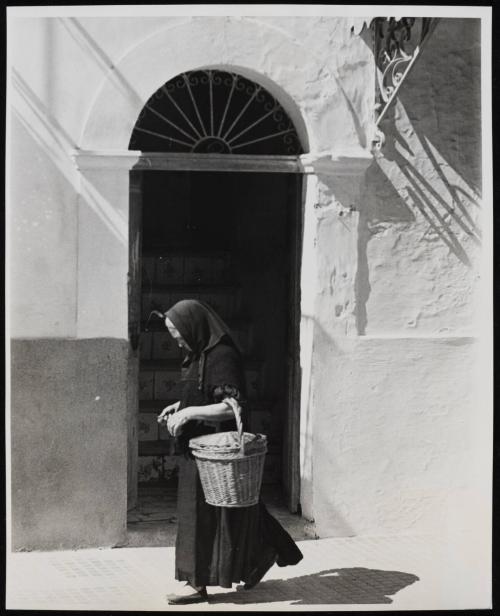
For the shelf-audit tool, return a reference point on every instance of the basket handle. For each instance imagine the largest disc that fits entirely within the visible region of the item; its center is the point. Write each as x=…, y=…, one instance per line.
x=236, y=408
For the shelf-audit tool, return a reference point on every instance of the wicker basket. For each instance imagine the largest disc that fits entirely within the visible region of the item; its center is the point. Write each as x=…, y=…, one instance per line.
x=230, y=464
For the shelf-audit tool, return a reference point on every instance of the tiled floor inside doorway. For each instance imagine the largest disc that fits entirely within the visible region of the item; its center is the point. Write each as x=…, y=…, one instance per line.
x=153, y=523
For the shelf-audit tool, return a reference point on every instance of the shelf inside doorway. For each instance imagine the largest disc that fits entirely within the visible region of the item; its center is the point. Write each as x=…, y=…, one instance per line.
x=151, y=365
x=151, y=406
x=190, y=288
x=155, y=448
x=180, y=251
x=157, y=325
x=253, y=405
x=162, y=448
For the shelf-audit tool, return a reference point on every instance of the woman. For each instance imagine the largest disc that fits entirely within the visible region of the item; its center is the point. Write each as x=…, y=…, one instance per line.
x=216, y=546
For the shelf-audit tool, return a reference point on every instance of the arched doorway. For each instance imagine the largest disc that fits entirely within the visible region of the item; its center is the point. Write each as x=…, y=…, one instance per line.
x=217, y=219
x=214, y=112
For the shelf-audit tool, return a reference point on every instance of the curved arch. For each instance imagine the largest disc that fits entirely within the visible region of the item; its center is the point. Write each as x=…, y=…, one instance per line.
x=218, y=111
x=281, y=95
x=289, y=73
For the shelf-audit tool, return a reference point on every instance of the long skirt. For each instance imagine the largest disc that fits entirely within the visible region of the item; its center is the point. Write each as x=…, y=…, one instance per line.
x=219, y=546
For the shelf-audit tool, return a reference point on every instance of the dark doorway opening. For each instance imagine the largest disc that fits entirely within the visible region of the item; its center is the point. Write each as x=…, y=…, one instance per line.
x=232, y=240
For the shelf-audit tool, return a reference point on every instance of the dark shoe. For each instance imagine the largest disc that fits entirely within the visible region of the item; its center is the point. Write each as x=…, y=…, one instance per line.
x=260, y=571
x=196, y=596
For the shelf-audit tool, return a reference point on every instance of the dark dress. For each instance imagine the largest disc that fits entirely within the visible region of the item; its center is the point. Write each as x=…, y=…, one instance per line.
x=219, y=546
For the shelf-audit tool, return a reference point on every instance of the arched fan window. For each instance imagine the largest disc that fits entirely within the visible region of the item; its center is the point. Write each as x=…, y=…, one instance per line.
x=213, y=111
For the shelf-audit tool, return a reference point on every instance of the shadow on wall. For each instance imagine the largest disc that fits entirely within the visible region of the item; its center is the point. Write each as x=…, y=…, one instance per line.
x=385, y=208
x=429, y=171
x=41, y=112
x=316, y=337
x=349, y=586
x=93, y=50
x=36, y=117
x=50, y=136
x=433, y=187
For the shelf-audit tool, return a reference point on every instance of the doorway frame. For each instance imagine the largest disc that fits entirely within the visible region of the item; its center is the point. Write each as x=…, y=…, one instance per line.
x=227, y=163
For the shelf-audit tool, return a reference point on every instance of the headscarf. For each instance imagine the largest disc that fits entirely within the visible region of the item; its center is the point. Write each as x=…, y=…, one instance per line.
x=202, y=328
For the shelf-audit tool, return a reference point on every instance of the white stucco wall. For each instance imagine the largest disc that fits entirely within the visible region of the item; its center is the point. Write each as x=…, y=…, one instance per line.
x=85, y=88
x=399, y=432
x=41, y=239
x=391, y=434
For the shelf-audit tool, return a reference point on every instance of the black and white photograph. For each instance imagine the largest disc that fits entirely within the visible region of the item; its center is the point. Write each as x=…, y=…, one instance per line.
x=249, y=308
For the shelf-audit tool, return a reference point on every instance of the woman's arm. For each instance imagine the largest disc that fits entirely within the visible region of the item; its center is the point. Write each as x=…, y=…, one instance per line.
x=219, y=411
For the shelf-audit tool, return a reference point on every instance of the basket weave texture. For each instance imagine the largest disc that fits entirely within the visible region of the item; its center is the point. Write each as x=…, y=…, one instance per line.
x=230, y=464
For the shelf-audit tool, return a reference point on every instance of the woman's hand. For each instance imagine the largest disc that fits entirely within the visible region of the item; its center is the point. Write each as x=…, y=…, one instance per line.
x=171, y=408
x=176, y=421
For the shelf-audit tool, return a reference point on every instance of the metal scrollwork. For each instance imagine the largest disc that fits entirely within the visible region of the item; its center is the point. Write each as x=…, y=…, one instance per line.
x=397, y=44
x=211, y=111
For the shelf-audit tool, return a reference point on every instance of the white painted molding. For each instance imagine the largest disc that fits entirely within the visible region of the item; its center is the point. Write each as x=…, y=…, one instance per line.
x=339, y=166
x=178, y=161
x=105, y=159
x=219, y=162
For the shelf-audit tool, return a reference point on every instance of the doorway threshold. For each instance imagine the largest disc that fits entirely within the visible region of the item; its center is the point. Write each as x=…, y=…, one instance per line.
x=153, y=522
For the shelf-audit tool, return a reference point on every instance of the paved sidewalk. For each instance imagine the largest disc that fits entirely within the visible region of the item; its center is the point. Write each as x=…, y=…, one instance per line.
x=362, y=573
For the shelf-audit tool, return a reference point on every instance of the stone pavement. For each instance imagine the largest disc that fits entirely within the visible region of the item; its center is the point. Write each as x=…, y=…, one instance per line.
x=358, y=573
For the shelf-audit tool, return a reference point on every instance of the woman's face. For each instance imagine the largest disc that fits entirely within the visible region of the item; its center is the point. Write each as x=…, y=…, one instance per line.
x=174, y=332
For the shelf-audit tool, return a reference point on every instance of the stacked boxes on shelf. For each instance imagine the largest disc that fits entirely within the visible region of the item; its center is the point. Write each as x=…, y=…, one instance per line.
x=145, y=345
x=150, y=468
x=167, y=385
x=194, y=269
x=169, y=270
x=252, y=383
x=146, y=385
x=166, y=279
x=225, y=301
x=169, y=278
x=148, y=427
x=263, y=418
x=157, y=468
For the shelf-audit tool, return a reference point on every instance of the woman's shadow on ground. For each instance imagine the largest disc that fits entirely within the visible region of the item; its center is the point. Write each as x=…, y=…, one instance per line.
x=356, y=585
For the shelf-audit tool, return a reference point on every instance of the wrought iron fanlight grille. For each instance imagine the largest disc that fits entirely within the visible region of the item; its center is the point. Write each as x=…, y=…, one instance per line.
x=210, y=111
